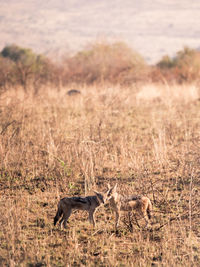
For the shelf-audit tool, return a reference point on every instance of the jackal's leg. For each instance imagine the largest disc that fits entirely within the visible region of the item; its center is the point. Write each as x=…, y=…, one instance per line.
x=61, y=221
x=145, y=216
x=91, y=217
x=65, y=217
x=117, y=218
x=146, y=219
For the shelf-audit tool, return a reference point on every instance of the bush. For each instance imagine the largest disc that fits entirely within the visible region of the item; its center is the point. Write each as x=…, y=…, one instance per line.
x=6, y=69
x=185, y=67
x=116, y=63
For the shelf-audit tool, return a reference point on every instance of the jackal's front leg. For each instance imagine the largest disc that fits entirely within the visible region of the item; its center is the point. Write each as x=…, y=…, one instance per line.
x=117, y=218
x=91, y=217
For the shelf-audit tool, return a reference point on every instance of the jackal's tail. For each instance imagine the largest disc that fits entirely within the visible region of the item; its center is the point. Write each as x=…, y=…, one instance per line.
x=149, y=209
x=58, y=214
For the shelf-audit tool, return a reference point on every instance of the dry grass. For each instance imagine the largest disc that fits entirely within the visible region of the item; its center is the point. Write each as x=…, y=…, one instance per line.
x=54, y=145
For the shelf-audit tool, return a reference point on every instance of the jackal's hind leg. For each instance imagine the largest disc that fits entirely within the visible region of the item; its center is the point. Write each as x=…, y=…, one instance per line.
x=117, y=218
x=65, y=217
x=145, y=216
x=61, y=221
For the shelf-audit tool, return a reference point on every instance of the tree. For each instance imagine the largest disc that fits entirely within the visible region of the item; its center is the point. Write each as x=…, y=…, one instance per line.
x=28, y=66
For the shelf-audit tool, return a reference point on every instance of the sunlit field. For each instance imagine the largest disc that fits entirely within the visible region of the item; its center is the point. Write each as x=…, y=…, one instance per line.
x=52, y=145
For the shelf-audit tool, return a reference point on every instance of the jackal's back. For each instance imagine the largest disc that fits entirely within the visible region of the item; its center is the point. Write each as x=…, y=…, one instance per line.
x=80, y=203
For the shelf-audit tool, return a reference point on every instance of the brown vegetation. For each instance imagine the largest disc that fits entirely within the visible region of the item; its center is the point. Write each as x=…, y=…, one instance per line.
x=115, y=63
x=54, y=145
x=184, y=67
x=99, y=63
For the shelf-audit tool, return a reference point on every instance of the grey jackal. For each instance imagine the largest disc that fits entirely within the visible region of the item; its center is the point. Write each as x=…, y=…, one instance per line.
x=118, y=203
x=89, y=203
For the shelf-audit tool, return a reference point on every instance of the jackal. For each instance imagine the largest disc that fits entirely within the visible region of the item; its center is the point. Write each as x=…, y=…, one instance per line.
x=118, y=203
x=89, y=203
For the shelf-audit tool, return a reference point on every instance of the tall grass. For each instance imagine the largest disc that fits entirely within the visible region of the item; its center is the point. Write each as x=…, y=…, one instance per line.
x=54, y=145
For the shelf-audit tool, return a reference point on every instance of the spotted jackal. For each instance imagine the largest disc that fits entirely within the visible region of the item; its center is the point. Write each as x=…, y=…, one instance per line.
x=118, y=203
x=89, y=203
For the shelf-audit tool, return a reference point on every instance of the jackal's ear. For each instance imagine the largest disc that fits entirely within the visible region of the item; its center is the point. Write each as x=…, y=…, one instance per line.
x=99, y=197
x=115, y=187
x=108, y=186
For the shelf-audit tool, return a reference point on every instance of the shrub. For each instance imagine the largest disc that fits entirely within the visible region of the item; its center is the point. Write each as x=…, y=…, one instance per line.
x=6, y=68
x=184, y=67
x=102, y=61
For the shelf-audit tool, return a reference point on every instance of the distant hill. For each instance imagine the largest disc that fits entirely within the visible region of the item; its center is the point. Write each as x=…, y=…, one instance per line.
x=55, y=27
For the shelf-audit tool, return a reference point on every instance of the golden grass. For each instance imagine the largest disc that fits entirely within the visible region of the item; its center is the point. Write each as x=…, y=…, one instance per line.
x=53, y=145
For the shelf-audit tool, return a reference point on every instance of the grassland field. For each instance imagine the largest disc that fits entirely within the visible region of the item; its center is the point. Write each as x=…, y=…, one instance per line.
x=146, y=138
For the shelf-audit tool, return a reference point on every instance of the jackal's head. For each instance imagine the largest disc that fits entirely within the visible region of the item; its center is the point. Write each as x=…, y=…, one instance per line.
x=100, y=197
x=104, y=198
x=111, y=192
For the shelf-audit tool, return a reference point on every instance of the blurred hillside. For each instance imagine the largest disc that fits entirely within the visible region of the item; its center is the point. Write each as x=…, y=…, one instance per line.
x=58, y=26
